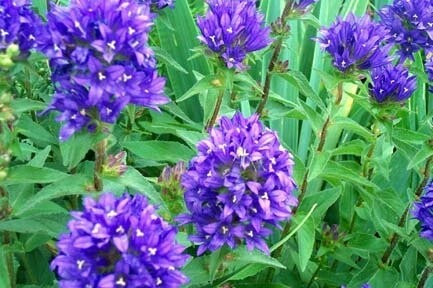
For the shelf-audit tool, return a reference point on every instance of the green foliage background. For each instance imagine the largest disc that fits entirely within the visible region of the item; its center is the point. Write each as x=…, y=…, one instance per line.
x=363, y=180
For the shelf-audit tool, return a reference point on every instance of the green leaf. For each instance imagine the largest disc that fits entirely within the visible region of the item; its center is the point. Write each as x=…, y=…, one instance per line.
x=52, y=224
x=409, y=136
x=354, y=147
x=316, y=119
x=159, y=150
x=76, y=147
x=424, y=153
x=323, y=199
x=318, y=163
x=137, y=182
x=23, y=174
x=40, y=157
x=207, y=83
x=243, y=256
x=350, y=125
x=25, y=105
x=164, y=57
x=70, y=185
x=4, y=273
x=297, y=79
x=337, y=171
x=35, y=131
x=306, y=239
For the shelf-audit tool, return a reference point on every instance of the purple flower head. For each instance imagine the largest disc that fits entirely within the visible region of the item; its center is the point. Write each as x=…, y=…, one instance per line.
x=392, y=83
x=119, y=242
x=100, y=48
x=19, y=25
x=355, y=44
x=428, y=66
x=423, y=211
x=239, y=183
x=232, y=29
x=410, y=25
x=158, y=4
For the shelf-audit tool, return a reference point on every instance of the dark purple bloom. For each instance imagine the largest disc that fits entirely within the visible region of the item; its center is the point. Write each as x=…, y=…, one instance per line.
x=392, y=83
x=119, y=242
x=19, y=25
x=355, y=44
x=423, y=211
x=232, y=29
x=100, y=48
x=428, y=66
x=239, y=183
x=410, y=25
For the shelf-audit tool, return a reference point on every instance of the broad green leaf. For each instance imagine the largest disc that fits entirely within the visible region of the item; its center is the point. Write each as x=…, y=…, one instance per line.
x=424, y=153
x=25, y=105
x=354, y=147
x=299, y=80
x=40, y=157
x=4, y=273
x=159, y=150
x=164, y=57
x=318, y=163
x=34, y=131
x=75, y=148
x=306, y=240
x=409, y=136
x=23, y=174
x=323, y=199
x=350, y=125
x=339, y=172
x=70, y=185
x=207, y=83
x=52, y=224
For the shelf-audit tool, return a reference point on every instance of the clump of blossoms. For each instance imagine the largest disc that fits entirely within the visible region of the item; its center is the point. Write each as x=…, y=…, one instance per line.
x=355, y=43
x=119, y=242
x=239, y=183
x=19, y=25
x=232, y=29
x=423, y=211
x=101, y=62
x=410, y=23
x=392, y=83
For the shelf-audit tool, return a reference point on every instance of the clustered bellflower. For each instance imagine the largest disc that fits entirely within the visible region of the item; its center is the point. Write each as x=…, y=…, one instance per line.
x=355, y=43
x=232, y=29
x=119, y=242
x=239, y=183
x=19, y=25
x=101, y=62
x=410, y=23
x=392, y=83
x=423, y=211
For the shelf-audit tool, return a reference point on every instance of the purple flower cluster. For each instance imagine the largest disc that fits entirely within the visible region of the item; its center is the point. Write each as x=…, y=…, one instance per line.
x=355, y=44
x=410, y=23
x=159, y=4
x=101, y=62
x=19, y=25
x=392, y=83
x=423, y=211
x=233, y=28
x=428, y=66
x=240, y=181
x=119, y=242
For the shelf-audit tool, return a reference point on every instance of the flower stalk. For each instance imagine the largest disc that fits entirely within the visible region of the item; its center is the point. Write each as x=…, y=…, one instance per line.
x=100, y=158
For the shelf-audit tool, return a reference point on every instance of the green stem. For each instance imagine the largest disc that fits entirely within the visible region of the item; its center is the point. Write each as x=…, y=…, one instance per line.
x=274, y=58
x=216, y=111
x=100, y=155
x=9, y=259
x=395, y=237
x=424, y=276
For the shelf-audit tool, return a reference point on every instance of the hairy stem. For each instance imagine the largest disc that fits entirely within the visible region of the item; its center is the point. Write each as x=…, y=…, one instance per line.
x=424, y=276
x=395, y=237
x=274, y=58
x=100, y=155
x=216, y=111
